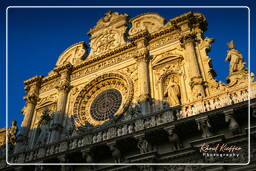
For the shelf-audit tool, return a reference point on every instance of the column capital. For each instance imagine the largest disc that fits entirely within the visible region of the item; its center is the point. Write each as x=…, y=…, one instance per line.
x=64, y=85
x=188, y=38
x=31, y=99
x=142, y=54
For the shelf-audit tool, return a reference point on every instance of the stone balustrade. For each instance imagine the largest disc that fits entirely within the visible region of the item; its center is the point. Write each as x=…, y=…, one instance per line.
x=100, y=135
x=217, y=101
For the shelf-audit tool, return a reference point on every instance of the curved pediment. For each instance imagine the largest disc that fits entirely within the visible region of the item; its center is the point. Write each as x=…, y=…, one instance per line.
x=73, y=54
x=164, y=59
x=149, y=22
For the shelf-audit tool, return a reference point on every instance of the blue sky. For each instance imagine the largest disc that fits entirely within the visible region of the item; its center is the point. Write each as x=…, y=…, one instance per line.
x=37, y=36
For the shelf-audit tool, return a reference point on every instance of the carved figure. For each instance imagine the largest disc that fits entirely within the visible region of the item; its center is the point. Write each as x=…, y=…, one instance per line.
x=174, y=140
x=173, y=92
x=235, y=58
x=204, y=125
x=143, y=145
x=232, y=124
x=116, y=153
x=12, y=133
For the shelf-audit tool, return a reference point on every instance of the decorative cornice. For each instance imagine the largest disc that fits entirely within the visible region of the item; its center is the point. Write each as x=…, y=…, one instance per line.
x=33, y=79
x=143, y=34
x=182, y=18
x=68, y=66
x=50, y=77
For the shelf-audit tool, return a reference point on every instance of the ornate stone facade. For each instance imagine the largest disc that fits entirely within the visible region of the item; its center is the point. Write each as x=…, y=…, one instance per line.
x=138, y=87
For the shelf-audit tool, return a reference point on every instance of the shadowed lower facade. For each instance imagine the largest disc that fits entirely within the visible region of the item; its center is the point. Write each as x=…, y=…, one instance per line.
x=145, y=93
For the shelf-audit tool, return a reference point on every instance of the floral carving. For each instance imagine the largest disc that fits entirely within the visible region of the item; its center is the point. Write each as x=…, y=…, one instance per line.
x=108, y=33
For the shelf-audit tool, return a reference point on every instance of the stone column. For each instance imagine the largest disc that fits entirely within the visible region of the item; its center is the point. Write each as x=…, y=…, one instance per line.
x=196, y=80
x=142, y=57
x=63, y=88
x=32, y=89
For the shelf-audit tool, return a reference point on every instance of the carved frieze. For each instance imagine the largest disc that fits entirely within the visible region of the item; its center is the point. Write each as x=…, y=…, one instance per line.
x=48, y=86
x=104, y=64
x=167, y=39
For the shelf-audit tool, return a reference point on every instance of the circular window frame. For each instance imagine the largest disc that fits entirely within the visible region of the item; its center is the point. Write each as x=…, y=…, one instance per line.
x=81, y=110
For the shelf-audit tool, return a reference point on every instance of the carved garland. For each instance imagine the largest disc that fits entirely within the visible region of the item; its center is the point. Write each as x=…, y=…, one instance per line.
x=81, y=111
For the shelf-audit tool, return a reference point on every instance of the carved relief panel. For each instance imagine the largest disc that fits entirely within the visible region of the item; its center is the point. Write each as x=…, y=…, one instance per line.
x=108, y=34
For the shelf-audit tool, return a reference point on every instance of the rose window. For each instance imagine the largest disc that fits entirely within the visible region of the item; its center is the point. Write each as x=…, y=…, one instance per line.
x=106, y=104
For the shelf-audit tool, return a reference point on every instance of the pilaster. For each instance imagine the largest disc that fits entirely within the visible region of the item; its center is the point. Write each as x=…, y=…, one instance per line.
x=63, y=89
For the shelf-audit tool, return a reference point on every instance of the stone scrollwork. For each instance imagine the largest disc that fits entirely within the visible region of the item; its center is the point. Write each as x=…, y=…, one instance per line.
x=108, y=33
x=46, y=100
x=74, y=54
x=150, y=22
x=84, y=103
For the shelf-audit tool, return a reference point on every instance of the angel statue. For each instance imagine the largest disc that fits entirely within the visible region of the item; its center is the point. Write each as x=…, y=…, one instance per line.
x=235, y=58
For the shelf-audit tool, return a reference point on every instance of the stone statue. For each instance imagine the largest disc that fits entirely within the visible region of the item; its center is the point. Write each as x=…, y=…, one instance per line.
x=235, y=58
x=233, y=126
x=116, y=153
x=173, y=92
x=174, y=140
x=204, y=125
x=143, y=145
x=12, y=133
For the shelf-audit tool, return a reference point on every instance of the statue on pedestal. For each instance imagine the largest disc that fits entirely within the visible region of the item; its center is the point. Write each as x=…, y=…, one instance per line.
x=173, y=92
x=235, y=57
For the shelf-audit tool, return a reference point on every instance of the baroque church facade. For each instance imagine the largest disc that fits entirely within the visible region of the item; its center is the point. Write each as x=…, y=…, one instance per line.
x=144, y=94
